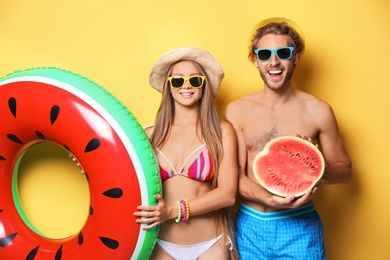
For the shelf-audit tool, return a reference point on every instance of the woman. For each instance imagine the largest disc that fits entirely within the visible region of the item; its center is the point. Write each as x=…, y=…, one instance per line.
x=197, y=154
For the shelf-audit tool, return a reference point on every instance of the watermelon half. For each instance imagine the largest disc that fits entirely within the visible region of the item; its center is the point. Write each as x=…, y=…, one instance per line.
x=289, y=165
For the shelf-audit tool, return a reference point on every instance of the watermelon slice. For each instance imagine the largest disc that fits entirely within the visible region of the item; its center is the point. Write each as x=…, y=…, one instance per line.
x=288, y=165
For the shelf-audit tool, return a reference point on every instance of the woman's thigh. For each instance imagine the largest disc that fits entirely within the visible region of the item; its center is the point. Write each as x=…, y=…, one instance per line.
x=160, y=254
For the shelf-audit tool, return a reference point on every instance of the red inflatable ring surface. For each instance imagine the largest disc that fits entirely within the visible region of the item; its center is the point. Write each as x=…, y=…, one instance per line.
x=53, y=105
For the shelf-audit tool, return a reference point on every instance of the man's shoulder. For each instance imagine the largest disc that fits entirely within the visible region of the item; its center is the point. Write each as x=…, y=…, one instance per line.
x=312, y=100
x=315, y=106
x=239, y=111
x=244, y=101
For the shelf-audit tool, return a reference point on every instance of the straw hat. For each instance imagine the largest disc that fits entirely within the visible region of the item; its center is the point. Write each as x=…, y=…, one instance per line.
x=211, y=66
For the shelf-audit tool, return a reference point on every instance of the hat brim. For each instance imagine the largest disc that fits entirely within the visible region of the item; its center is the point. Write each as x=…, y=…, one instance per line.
x=211, y=66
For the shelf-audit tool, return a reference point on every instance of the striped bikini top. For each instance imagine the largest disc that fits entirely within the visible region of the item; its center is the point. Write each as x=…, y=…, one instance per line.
x=201, y=169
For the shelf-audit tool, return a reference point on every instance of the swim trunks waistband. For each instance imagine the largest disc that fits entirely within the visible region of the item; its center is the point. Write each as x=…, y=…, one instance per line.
x=277, y=214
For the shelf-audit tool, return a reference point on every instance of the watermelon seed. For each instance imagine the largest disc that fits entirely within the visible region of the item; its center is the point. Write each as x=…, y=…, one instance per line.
x=14, y=138
x=54, y=112
x=40, y=135
x=12, y=106
x=2, y=158
x=92, y=145
x=59, y=254
x=80, y=239
x=109, y=242
x=114, y=193
x=5, y=241
x=32, y=254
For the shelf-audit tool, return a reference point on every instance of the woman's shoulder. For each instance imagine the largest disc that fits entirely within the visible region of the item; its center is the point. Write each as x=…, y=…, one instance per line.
x=148, y=129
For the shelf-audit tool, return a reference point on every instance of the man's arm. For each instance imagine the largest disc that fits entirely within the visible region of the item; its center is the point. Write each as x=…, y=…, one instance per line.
x=338, y=169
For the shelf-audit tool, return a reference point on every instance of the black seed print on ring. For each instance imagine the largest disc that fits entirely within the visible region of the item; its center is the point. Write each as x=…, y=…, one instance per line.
x=66, y=148
x=12, y=106
x=2, y=158
x=7, y=239
x=114, y=193
x=54, y=112
x=92, y=145
x=58, y=254
x=80, y=239
x=14, y=138
x=32, y=254
x=40, y=135
x=109, y=242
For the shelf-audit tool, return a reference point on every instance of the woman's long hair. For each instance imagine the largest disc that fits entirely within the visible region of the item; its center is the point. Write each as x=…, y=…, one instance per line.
x=209, y=120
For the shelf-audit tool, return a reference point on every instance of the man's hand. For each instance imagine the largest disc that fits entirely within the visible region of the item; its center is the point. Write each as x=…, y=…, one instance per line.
x=290, y=201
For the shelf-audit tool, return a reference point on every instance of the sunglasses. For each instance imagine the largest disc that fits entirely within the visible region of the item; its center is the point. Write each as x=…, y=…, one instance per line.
x=283, y=53
x=194, y=81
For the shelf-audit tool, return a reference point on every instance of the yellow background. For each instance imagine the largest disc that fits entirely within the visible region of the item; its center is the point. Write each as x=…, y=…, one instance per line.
x=346, y=63
x=53, y=192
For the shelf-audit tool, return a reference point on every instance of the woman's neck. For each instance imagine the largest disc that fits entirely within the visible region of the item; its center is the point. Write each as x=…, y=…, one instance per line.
x=185, y=116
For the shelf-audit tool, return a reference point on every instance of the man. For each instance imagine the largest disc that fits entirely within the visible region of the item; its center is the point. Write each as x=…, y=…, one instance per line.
x=267, y=226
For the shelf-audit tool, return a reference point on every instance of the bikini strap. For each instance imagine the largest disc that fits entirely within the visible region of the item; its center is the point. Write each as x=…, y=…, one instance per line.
x=166, y=159
x=189, y=156
x=185, y=161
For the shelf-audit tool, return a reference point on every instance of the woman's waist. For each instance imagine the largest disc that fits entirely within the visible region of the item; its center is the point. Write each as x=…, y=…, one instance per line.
x=197, y=229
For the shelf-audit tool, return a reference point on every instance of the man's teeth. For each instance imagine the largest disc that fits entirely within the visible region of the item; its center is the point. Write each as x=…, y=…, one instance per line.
x=275, y=71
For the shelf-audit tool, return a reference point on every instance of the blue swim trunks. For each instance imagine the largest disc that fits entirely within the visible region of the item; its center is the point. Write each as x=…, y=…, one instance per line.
x=288, y=234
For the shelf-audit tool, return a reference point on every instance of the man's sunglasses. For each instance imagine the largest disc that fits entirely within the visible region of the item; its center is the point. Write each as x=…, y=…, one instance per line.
x=283, y=53
x=178, y=81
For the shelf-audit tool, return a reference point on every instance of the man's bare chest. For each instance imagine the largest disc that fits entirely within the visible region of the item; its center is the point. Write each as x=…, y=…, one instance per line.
x=259, y=130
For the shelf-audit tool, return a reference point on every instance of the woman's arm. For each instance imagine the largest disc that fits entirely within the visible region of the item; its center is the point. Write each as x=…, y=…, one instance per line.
x=222, y=196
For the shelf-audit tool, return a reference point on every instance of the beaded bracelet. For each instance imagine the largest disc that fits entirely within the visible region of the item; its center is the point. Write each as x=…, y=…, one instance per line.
x=183, y=204
x=178, y=212
x=186, y=210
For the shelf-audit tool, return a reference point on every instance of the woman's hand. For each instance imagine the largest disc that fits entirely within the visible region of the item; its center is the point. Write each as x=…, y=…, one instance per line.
x=153, y=215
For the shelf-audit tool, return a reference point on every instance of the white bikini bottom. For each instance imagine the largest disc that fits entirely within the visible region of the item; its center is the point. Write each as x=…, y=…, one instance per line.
x=187, y=252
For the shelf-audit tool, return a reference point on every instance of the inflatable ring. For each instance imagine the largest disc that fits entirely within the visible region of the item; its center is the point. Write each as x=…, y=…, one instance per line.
x=53, y=105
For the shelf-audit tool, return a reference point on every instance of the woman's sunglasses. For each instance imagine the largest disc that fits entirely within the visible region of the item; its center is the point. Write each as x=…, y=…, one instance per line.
x=194, y=81
x=283, y=53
